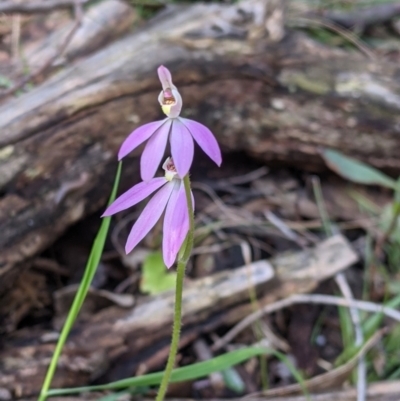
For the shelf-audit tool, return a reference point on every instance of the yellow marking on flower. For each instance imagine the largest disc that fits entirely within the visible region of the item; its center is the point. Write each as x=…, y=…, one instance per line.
x=166, y=108
x=169, y=175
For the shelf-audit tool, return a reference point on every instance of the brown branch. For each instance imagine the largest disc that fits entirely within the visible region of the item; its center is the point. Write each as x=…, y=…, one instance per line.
x=33, y=76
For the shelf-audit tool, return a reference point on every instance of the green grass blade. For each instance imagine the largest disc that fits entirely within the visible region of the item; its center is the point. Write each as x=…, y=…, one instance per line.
x=97, y=248
x=355, y=170
x=191, y=372
x=90, y=270
x=373, y=322
x=233, y=381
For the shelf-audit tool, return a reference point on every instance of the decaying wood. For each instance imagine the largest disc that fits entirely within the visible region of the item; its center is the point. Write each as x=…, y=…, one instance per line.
x=100, y=25
x=120, y=341
x=280, y=97
x=45, y=66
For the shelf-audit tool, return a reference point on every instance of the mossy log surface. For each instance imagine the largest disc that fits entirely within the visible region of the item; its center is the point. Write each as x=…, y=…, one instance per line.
x=264, y=90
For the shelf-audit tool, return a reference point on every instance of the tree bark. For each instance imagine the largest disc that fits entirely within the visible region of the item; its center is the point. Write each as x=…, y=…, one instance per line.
x=264, y=90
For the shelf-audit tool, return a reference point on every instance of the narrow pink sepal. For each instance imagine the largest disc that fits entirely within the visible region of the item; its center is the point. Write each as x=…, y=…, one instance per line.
x=154, y=152
x=134, y=195
x=176, y=224
x=138, y=136
x=165, y=77
x=149, y=217
x=205, y=139
x=182, y=147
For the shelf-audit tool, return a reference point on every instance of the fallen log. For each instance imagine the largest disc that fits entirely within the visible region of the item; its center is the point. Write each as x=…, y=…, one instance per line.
x=125, y=342
x=102, y=23
x=281, y=97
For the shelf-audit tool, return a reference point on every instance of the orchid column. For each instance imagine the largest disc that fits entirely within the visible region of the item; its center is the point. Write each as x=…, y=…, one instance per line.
x=173, y=194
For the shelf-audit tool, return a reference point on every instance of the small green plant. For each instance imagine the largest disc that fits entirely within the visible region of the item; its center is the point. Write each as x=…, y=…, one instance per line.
x=388, y=243
x=155, y=279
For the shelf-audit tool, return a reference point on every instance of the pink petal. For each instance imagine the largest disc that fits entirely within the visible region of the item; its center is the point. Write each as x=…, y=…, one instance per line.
x=204, y=137
x=138, y=136
x=154, y=151
x=182, y=147
x=176, y=224
x=149, y=217
x=134, y=195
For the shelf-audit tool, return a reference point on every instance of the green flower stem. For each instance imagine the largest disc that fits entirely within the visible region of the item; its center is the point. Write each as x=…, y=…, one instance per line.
x=183, y=258
x=189, y=240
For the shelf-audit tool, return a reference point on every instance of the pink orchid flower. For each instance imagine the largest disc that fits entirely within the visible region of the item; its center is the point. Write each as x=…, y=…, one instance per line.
x=179, y=130
x=170, y=197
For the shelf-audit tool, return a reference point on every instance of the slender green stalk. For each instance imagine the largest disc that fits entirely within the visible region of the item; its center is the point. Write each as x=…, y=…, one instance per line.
x=258, y=334
x=90, y=270
x=189, y=240
x=176, y=332
x=183, y=258
x=319, y=198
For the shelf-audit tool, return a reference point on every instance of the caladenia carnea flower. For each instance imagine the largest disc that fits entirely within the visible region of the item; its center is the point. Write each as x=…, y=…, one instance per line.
x=170, y=197
x=180, y=132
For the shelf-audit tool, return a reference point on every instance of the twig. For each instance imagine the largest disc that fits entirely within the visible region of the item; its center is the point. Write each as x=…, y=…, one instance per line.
x=360, y=19
x=69, y=186
x=285, y=230
x=50, y=266
x=214, y=248
x=350, y=36
x=50, y=61
x=245, y=178
x=302, y=299
x=15, y=36
x=218, y=202
x=355, y=317
x=41, y=6
x=203, y=353
x=120, y=225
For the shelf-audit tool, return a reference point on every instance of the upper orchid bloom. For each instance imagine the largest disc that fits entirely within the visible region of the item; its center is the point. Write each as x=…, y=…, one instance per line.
x=169, y=98
x=179, y=130
x=171, y=197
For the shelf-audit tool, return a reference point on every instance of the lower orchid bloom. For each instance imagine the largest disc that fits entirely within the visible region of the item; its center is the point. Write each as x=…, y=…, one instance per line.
x=180, y=131
x=170, y=197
